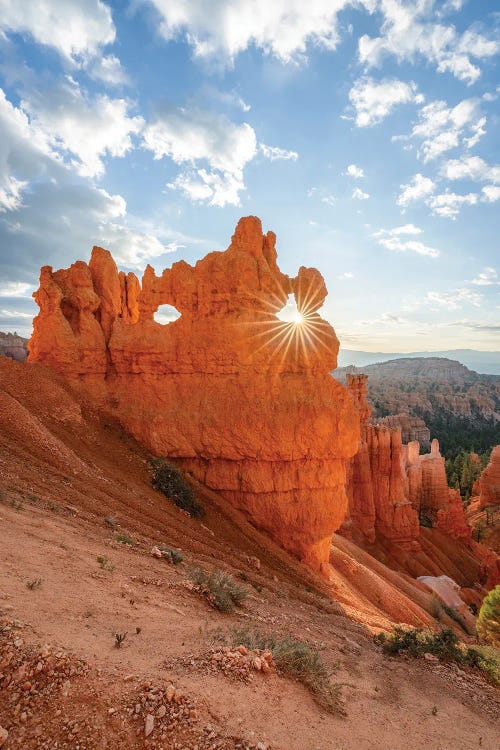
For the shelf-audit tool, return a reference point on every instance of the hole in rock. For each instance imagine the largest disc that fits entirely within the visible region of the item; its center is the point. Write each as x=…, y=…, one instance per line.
x=290, y=313
x=166, y=314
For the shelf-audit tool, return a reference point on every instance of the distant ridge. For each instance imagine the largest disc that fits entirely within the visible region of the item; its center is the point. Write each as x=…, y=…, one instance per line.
x=486, y=363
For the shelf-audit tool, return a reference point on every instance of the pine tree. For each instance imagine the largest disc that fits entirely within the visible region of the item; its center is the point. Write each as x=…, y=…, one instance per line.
x=488, y=622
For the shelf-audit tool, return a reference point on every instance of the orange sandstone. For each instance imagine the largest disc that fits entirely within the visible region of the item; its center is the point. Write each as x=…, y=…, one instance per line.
x=243, y=401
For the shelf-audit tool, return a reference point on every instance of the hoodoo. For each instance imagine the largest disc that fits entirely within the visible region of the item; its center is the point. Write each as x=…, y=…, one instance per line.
x=242, y=400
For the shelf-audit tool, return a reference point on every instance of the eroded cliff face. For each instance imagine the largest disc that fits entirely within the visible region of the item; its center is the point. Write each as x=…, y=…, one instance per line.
x=243, y=401
x=487, y=487
x=390, y=485
x=378, y=498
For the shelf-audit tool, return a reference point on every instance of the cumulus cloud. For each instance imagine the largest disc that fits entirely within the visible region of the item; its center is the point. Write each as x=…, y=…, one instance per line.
x=355, y=172
x=14, y=289
x=227, y=27
x=455, y=299
x=448, y=204
x=75, y=28
x=273, y=153
x=471, y=168
x=396, y=241
x=374, y=100
x=214, y=150
x=487, y=277
x=412, y=30
x=491, y=193
x=87, y=129
x=360, y=195
x=418, y=188
x=108, y=69
x=441, y=128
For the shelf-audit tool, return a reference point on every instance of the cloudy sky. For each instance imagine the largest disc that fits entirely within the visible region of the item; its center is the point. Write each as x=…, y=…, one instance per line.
x=363, y=132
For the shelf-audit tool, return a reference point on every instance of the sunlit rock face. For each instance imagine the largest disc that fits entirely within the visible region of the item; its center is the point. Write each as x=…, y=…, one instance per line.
x=377, y=484
x=488, y=484
x=242, y=400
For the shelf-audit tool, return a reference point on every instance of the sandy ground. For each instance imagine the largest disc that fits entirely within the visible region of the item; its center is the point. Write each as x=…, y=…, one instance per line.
x=64, y=684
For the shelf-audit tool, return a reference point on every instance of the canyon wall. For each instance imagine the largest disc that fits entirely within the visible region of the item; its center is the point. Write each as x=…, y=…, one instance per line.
x=487, y=488
x=391, y=487
x=242, y=400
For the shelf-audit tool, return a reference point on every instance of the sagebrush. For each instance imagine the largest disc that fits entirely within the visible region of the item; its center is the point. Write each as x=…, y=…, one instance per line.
x=170, y=481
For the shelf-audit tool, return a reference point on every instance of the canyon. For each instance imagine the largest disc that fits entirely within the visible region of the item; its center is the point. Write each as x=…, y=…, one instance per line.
x=330, y=516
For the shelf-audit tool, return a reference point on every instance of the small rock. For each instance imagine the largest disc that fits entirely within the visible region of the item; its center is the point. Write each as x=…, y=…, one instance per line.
x=149, y=725
x=66, y=687
x=156, y=552
x=257, y=663
x=161, y=712
x=430, y=657
x=169, y=693
x=242, y=650
x=261, y=746
x=3, y=736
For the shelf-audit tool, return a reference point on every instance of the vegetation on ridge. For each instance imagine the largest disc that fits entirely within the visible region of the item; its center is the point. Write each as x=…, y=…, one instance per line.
x=170, y=481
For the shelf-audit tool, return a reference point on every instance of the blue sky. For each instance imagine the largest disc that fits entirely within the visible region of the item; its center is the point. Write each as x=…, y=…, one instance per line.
x=363, y=132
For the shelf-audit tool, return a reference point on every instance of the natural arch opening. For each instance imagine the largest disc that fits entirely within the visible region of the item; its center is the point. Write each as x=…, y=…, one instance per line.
x=290, y=313
x=166, y=314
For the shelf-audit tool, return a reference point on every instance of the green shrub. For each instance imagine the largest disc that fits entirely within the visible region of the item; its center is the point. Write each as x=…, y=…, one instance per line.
x=488, y=621
x=446, y=646
x=219, y=588
x=169, y=480
x=297, y=659
x=172, y=555
x=452, y=612
x=124, y=539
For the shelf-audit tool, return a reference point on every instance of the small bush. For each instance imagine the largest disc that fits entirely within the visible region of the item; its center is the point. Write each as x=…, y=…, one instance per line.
x=452, y=612
x=105, y=563
x=34, y=584
x=219, y=588
x=169, y=480
x=436, y=608
x=172, y=555
x=124, y=539
x=488, y=621
x=297, y=659
x=119, y=638
x=446, y=646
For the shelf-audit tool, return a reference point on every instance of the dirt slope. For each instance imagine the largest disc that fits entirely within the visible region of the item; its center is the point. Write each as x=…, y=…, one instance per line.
x=63, y=470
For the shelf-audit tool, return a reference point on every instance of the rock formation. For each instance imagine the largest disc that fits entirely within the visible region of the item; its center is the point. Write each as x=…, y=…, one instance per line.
x=412, y=428
x=13, y=346
x=378, y=503
x=487, y=487
x=243, y=401
x=390, y=485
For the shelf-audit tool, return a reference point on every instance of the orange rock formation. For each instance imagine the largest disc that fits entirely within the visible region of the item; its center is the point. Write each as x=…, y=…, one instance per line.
x=390, y=485
x=378, y=502
x=487, y=486
x=243, y=401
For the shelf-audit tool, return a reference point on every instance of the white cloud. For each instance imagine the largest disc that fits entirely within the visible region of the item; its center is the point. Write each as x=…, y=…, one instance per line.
x=346, y=275
x=454, y=300
x=394, y=240
x=77, y=29
x=418, y=188
x=471, y=168
x=360, y=195
x=448, y=204
x=274, y=153
x=195, y=138
x=108, y=69
x=227, y=27
x=14, y=289
x=442, y=128
x=491, y=193
x=355, y=172
x=410, y=30
x=488, y=277
x=374, y=100
x=89, y=130
x=328, y=199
